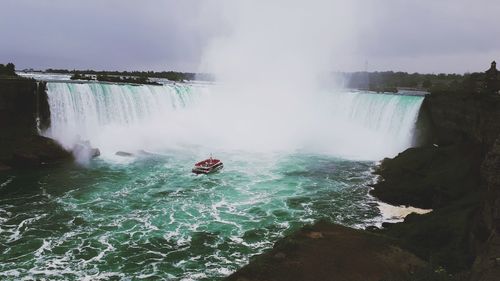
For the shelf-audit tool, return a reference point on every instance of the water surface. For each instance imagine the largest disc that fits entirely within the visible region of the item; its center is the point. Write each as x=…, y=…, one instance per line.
x=148, y=217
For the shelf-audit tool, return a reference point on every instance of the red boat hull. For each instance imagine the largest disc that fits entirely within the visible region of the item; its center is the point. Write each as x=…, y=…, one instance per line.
x=207, y=166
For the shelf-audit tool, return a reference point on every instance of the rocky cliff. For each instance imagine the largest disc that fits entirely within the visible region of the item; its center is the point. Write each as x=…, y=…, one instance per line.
x=473, y=118
x=487, y=264
x=458, y=175
x=22, y=103
x=24, y=111
x=459, y=116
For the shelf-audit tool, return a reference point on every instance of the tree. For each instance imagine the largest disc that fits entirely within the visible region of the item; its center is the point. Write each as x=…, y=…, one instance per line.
x=8, y=70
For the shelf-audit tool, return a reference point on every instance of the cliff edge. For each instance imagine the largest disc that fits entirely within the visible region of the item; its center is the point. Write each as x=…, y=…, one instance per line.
x=24, y=112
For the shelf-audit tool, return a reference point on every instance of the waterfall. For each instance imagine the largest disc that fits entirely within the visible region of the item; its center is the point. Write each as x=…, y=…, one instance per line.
x=377, y=125
x=126, y=117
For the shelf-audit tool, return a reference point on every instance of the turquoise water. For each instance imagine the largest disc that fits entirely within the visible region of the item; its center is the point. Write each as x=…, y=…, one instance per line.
x=150, y=218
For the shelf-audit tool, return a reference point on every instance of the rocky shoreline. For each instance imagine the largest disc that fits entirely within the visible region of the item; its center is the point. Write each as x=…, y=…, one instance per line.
x=326, y=251
x=455, y=171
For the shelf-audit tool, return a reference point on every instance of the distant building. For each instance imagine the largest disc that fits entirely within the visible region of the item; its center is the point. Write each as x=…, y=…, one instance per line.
x=492, y=78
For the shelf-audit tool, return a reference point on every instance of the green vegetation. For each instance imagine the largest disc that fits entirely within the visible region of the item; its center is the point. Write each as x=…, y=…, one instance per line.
x=114, y=79
x=120, y=79
x=390, y=81
x=8, y=70
x=78, y=76
x=170, y=75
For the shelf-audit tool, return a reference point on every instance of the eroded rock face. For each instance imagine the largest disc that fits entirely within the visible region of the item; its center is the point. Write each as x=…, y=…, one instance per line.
x=458, y=175
x=429, y=177
x=490, y=173
x=462, y=116
x=487, y=264
x=24, y=110
x=22, y=102
x=36, y=151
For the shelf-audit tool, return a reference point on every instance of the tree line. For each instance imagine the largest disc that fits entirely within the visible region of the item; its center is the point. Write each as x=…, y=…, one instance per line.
x=390, y=81
x=170, y=75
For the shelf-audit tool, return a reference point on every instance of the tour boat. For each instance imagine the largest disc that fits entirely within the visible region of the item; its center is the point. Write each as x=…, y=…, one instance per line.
x=207, y=166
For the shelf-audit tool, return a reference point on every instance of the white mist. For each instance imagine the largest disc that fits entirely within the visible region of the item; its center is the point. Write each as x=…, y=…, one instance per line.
x=269, y=61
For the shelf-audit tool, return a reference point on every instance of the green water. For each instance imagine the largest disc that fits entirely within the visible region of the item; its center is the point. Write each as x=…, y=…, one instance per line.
x=149, y=218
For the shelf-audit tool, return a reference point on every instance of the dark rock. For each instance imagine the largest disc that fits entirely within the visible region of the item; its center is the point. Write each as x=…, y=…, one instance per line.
x=449, y=178
x=95, y=152
x=43, y=108
x=486, y=267
x=24, y=110
x=412, y=217
x=4, y=167
x=459, y=129
x=461, y=116
x=25, y=160
x=279, y=256
x=429, y=177
x=372, y=228
x=35, y=151
x=442, y=236
x=23, y=105
x=387, y=224
x=341, y=254
x=424, y=128
x=124, y=154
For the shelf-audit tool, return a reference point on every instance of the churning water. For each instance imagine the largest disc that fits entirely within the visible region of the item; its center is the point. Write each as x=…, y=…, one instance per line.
x=148, y=217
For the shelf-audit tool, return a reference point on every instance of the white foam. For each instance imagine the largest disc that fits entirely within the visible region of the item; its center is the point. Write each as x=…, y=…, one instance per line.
x=392, y=213
x=5, y=183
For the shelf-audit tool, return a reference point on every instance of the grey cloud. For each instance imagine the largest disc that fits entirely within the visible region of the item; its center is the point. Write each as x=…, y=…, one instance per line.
x=161, y=35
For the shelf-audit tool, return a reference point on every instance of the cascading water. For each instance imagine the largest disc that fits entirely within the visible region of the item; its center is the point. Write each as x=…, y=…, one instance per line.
x=124, y=117
x=113, y=116
x=373, y=126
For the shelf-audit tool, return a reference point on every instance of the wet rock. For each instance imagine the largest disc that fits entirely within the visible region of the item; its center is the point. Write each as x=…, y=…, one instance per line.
x=429, y=177
x=372, y=228
x=387, y=224
x=95, y=152
x=36, y=151
x=124, y=154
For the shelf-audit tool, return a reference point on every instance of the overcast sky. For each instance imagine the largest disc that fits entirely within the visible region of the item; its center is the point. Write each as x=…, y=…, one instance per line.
x=414, y=36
